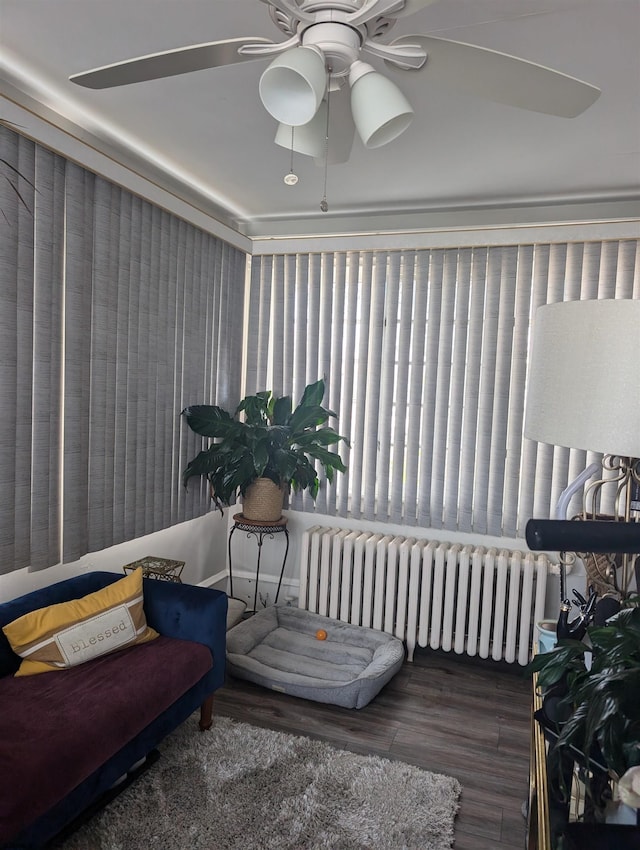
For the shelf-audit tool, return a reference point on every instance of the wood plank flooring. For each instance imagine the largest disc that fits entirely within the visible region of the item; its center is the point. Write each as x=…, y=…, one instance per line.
x=444, y=713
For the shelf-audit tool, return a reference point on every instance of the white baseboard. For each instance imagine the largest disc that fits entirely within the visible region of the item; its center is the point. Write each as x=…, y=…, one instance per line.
x=215, y=579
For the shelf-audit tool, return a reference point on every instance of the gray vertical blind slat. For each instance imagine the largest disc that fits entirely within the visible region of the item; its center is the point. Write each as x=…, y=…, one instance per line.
x=46, y=509
x=278, y=293
x=374, y=377
x=290, y=288
x=418, y=269
x=259, y=267
x=334, y=366
x=400, y=425
x=344, y=408
x=310, y=333
x=453, y=497
x=505, y=270
x=16, y=351
x=77, y=359
x=510, y=519
x=427, y=516
x=442, y=419
x=329, y=293
x=387, y=408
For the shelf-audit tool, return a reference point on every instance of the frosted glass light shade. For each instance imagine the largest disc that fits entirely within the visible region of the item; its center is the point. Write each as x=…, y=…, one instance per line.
x=380, y=111
x=309, y=138
x=584, y=377
x=293, y=85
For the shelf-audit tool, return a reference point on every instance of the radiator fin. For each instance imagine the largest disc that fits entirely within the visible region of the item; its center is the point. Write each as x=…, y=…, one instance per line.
x=467, y=599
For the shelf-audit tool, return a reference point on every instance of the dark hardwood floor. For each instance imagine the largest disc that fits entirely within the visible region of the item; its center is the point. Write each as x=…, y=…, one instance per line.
x=445, y=713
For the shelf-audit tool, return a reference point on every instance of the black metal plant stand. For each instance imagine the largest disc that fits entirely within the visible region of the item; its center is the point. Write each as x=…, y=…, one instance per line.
x=259, y=530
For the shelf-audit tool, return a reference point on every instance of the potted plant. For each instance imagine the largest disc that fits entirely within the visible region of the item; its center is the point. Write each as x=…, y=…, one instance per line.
x=265, y=444
x=594, y=687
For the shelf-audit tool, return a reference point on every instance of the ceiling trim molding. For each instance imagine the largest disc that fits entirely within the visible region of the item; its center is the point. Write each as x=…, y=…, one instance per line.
x=455, y=237
x=119, y=164
x=23, y=101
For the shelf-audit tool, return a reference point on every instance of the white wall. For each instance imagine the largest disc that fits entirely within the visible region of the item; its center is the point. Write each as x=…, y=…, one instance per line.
x=200, y=542
x=203, y=544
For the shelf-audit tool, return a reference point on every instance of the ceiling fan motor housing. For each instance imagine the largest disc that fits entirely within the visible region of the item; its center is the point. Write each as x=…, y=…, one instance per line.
x=339, y=44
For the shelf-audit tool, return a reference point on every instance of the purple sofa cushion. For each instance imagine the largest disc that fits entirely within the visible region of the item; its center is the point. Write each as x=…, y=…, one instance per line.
x=57, y=728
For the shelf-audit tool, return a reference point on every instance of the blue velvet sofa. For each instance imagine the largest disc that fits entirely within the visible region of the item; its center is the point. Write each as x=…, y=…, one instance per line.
x=68, y=737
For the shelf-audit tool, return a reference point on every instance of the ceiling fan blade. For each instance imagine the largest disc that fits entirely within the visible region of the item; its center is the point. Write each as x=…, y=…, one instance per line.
x=500, y=77
x=169, y=63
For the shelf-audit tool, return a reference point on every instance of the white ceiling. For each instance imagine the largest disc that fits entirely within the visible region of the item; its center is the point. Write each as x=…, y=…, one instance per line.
x=212, y=137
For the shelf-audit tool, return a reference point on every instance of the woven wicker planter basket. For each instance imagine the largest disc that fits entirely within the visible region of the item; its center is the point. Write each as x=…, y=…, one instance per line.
x=263, y=501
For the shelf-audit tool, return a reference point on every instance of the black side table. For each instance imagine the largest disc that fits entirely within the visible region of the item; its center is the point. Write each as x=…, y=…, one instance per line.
x=259, y=530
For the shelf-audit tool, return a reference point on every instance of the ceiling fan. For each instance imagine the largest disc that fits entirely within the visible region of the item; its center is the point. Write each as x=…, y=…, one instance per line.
x=304, y=86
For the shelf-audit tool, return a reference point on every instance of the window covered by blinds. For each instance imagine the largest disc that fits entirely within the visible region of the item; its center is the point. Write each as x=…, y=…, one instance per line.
x=425, y=356
x=114, y=315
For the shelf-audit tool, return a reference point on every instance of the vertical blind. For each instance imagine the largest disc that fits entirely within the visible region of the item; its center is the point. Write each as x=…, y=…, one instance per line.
x=114, y=315
x=425, y=358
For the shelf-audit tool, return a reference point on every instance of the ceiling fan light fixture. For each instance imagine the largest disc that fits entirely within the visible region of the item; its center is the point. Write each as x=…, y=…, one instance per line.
x=293, y=85
x=380, y=110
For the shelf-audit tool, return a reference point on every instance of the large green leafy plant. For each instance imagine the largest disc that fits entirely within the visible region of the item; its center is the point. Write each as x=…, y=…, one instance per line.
x=265, y=437
x=599, y=681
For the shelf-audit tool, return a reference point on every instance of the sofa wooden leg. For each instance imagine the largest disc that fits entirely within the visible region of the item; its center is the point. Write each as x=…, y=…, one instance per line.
x=206, y=714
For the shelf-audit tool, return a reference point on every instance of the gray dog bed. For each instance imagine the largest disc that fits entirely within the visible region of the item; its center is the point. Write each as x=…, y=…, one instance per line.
x=278, y=648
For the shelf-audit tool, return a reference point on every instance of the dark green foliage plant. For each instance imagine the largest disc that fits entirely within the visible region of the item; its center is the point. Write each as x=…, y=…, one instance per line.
x=265, y=437
x=600, y=680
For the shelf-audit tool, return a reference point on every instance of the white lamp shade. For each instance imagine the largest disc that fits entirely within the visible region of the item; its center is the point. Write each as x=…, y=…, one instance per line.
x=293, y=85
x=311, y=139
x=380, y=111
x=584, y=376
x=308, y=139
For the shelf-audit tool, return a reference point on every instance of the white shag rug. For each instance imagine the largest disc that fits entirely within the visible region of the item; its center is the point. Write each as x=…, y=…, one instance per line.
x=238, y=787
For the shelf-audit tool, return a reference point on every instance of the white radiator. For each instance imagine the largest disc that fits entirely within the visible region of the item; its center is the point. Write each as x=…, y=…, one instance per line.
x=449, y=596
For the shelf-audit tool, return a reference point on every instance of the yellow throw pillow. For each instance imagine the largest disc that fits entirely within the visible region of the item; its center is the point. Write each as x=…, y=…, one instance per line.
x=69, y=633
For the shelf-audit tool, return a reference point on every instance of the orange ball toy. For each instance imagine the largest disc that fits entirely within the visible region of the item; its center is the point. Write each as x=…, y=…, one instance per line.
x=321, y=634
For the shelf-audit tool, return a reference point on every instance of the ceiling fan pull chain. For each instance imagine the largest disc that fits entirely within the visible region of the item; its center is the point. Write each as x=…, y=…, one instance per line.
x=324, y=206
x=291, y=178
